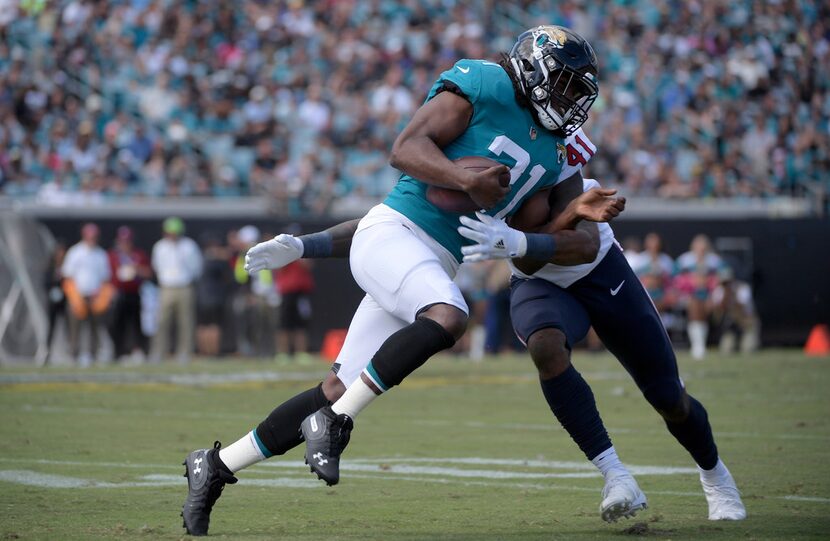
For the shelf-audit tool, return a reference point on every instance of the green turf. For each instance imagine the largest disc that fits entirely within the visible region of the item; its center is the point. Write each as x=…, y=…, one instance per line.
x=769, y=414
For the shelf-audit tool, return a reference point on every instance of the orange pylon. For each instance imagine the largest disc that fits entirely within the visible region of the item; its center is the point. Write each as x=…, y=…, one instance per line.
x=332, y=344
x=818, y=343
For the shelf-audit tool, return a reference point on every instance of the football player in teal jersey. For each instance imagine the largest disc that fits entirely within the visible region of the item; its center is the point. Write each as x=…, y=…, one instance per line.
x=405, y=251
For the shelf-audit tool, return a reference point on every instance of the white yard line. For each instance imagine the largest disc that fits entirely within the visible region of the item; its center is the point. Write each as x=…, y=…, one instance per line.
x=43, y=480
x=91, y=464
x=547, y=464
x=401, y=465
x=794, y=498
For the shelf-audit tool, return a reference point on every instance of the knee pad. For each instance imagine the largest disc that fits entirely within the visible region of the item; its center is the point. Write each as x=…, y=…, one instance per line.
x=670, y=400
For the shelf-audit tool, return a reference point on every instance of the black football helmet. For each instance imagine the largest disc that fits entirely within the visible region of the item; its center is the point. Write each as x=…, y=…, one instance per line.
x=556, y=70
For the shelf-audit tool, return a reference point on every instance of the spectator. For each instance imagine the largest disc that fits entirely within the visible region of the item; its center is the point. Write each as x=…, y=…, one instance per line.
x=54, y=291
x=141, y=145
x=734, y=314
x=697, y=276
x=472, y=281
x=212, y=292
x=129, y=267
x=392, y=95
x=742, y=84
x=497, y=317
x=295, y=284
x=243, y=304
x=177, y=262
x=655, y=270
x=263, y=175
x=86, y=277
x=260, y=300
x=633, y=251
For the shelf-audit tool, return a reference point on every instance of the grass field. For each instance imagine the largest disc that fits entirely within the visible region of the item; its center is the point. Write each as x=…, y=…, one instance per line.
x=461, y=451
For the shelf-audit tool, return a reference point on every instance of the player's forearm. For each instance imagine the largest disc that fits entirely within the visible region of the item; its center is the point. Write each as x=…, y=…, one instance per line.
x=336, y=241
x=419, y=157
x=573, y=247
x=567, y=219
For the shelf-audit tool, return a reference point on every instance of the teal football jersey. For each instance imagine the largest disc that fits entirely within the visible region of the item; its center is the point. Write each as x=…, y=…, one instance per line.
x=500, y=129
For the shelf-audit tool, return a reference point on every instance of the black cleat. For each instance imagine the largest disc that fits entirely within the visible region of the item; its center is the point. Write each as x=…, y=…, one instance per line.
x=326, y=435
x=205, y=481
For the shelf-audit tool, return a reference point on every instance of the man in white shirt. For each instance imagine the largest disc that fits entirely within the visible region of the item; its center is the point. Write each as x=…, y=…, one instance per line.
x=86, y=271
x=177, y=262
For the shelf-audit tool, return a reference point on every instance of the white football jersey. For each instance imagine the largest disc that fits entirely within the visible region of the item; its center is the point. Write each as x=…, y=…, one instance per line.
x=580, y=150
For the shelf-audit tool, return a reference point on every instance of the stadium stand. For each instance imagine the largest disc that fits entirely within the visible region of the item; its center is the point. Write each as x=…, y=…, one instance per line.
x=298, y=102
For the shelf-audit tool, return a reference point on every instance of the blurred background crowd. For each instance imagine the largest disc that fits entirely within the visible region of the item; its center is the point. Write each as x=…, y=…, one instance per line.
x=185, y=297
x=181, y=298
x=298, y=102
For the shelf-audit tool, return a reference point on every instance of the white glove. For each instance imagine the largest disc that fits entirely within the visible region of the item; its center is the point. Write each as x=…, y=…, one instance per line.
x=494, y=239
x=273, y=254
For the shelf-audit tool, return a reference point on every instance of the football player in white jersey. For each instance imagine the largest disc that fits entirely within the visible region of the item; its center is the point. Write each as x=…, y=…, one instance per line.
x=553, y=307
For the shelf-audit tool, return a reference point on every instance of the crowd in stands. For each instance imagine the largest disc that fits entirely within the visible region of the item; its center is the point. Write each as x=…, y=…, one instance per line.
x=299, y=101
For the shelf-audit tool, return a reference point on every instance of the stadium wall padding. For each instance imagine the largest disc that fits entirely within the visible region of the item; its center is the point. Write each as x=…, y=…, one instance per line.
x=790, y=271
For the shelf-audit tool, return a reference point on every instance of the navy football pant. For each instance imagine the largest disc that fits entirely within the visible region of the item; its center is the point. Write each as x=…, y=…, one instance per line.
x=612, y=300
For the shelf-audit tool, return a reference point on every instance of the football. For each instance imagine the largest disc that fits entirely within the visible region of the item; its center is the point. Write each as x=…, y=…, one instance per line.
x=456, y=200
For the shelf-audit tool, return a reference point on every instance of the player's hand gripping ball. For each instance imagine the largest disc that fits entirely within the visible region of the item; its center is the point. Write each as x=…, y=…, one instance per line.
x=461, y=202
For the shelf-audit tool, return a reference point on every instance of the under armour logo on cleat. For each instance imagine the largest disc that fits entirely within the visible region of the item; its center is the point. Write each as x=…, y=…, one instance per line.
x=319, y=458
x=198, y=467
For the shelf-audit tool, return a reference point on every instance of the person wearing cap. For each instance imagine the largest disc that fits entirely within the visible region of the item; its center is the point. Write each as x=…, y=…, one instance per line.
x=129, y=267
x=733, y=313
x=177, y=262
x=256, y=300
x=213, y=289
x=86, y=276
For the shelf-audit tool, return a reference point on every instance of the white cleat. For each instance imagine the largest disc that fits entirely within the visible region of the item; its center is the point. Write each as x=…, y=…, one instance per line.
x=723, y=497
x=621, y=497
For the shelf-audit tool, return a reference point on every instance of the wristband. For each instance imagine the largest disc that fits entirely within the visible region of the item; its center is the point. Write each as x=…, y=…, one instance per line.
x=317, y=245
x=540, y=246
